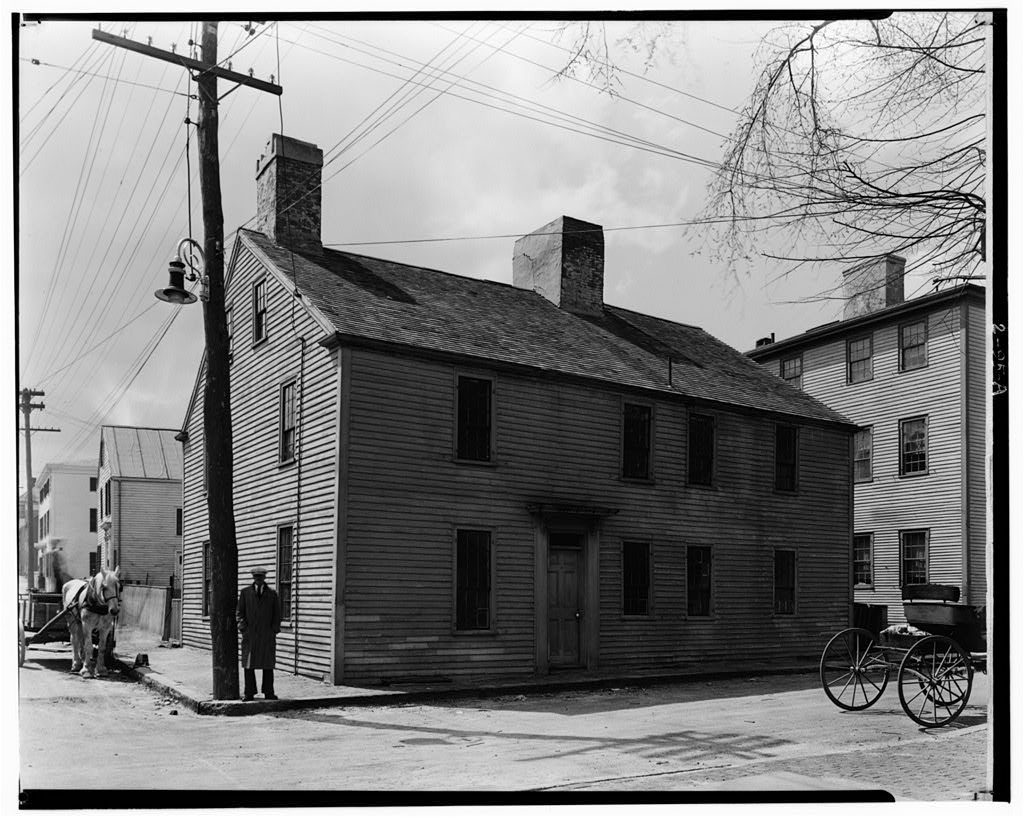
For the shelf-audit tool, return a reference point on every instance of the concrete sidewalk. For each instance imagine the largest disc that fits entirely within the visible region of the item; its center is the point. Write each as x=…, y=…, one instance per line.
x=185, y=674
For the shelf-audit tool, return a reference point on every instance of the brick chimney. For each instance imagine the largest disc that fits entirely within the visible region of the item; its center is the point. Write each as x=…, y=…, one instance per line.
x=288, y=176
x=564, y=262
x=873, y=285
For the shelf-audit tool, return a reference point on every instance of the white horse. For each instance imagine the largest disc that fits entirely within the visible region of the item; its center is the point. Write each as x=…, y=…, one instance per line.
x=91, y=606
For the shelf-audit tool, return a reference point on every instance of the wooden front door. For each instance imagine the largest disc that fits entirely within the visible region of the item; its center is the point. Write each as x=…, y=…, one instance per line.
x=565, y=571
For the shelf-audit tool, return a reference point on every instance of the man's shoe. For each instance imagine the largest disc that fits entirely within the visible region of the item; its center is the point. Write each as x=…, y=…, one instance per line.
x=269, y=696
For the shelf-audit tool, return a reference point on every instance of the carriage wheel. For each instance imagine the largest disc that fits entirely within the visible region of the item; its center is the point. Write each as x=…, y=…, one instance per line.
x=21, y=644
x=935, y=681
x=853, y=670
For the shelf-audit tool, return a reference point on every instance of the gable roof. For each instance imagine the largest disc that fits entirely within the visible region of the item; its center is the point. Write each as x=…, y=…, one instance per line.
x=384, y=302
x=139, y=452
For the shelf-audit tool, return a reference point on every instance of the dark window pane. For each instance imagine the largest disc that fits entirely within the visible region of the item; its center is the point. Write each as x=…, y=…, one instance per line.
x=913, y=446
x=913, y=346
x=785, y=582
x=473, y=580
x=858, y=355
x=287, y=423
x=792, y=370
x=636, y=441
x=259, y=312
x=92, y=519
x=701, y=450
x=284, y=570
x=474, y=419
x=92, y=484
x=862, y=443
x=862, y=559
x=698, y=581
x=636, y=578
x=177, y=521
x=785, y=458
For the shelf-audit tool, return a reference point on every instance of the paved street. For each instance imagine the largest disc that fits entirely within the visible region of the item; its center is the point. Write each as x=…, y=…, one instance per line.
x=770, y=733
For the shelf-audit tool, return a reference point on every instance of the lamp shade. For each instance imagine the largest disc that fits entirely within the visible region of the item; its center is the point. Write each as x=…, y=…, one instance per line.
x=175, y=292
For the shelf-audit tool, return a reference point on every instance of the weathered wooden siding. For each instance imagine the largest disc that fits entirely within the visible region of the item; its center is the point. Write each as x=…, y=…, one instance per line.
x=145, y=535
x=559, y=442
x=978, y=387
x=267, y=494
x=891, y=503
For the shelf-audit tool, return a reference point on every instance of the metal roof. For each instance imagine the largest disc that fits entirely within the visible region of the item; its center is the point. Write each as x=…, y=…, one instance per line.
x=133, y=451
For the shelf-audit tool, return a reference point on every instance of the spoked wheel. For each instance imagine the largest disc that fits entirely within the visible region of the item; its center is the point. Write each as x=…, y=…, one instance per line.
x=935, y=681
x=854, y=670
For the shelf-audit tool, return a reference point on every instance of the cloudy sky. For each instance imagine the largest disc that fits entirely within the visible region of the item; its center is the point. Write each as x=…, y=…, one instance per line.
x=483, y=145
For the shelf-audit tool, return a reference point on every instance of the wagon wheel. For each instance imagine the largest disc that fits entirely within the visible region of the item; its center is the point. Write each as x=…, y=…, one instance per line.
x=21, y=644
x=935, y=681
x=853, y=670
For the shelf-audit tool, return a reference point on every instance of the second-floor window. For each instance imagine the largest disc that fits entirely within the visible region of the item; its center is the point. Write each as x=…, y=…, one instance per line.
x=914, y=345
x=862, y=443
x=286, y=424
x=636, y=441
x=785, y=457
x=473, y=419
x=92, y=519
x=792, y=370
x=636, y=578
x=858, y=360
x=259, y=311
x=862, y=559
x=914, y=446
x=700, y=454
x=92, y=484
x=106, y=497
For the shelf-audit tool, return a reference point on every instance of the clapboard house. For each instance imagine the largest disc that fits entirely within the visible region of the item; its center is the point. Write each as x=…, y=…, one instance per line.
x=460, y=478
x=913, y=374
x=140, y=504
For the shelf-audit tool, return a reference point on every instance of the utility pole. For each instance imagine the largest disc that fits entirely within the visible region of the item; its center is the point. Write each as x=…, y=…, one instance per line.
x=216, y=395
x=30, y=530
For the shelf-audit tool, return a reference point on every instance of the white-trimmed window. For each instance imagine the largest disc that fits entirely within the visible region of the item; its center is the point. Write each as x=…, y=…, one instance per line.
x=259, y=312
x=863, y=547
x=914, y=345
x=286, y=424
x=914, y=446
x=862, y=451
x=914, y=557
x=791, y=370
x=858, y=360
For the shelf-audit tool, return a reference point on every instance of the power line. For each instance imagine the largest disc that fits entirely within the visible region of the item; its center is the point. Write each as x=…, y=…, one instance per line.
x=107, y=77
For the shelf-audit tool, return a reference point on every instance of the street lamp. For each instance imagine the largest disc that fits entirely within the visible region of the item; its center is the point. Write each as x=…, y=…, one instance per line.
x=175, y=292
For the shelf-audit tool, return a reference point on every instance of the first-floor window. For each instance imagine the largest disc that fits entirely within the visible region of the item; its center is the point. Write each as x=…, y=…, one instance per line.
x=862, y=447
x=636, y=578
x=472, y=580
x=785, y=581
x=862, y=559
x=285, y=565
x=914, y=446
x=698, y=581
x=914, y=557
x=207, y=580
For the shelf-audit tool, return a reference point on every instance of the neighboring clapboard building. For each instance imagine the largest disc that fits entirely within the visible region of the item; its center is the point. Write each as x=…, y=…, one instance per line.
x=139, y=502
x=454, y=477
x=913, y=375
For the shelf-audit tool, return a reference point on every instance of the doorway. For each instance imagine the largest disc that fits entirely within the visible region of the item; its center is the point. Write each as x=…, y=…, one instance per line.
x=565, y=598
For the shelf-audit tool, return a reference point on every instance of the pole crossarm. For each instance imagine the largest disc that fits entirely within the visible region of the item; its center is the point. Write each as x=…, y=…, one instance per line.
x=187, y=62
x=38, y=429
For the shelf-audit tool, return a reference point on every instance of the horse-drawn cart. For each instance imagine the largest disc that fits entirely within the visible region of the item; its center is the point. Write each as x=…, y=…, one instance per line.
x=40, y=619
x=934, y=673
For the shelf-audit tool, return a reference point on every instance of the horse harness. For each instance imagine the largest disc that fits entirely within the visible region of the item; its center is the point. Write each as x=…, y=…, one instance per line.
x=91, y=603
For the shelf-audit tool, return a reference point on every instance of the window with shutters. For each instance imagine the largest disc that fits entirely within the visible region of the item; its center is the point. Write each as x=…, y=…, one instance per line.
x=786, y=457
x=473, y=426
x=286, y=424
x=862, y=444
x=862, y=558
x=914, y=446
x=698, y=581
x=472, y=580
x=858, y=360
x=285, y=569
x=636, y=578
x=785, y=581
x=700, y=450
x=636, y=441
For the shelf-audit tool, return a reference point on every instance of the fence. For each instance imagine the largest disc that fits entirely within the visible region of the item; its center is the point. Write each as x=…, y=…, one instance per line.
x=147, y=608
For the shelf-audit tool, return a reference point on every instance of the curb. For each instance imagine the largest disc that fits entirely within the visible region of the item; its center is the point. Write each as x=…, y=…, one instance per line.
x=195, y=702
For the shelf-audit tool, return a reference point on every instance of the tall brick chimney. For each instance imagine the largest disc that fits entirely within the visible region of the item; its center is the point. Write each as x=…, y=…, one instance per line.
x=288, y=177
x=873, y=285
x=564, y=262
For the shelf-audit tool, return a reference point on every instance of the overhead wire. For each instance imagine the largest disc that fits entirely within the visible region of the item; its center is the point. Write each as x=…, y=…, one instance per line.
x=80, y=58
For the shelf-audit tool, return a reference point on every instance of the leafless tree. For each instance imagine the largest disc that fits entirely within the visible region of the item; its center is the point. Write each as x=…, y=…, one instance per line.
x=595, y=56
x=860, y=138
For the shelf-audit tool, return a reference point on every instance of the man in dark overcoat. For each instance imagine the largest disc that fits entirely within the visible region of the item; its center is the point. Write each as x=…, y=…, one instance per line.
x=259, y=621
